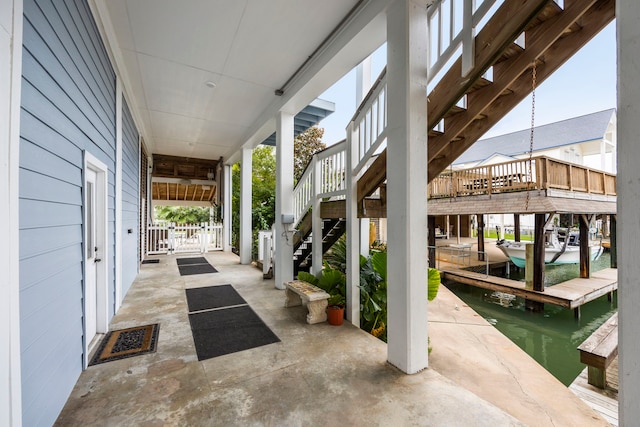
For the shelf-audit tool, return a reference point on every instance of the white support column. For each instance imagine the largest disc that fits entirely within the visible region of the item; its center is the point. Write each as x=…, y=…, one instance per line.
x=363, y=79
x=628, y=188
x=407, y=44
x=447, y=224
x=364, y=236
x=353, y=229
x=10, y=84
x=316, y=220
x=363, y=84
x=245, y=206
x=118, y=201
x=284, y=199
x=226, y=214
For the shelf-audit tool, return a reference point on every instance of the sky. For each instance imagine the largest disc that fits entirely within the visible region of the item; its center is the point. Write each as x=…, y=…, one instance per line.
x=585, y=84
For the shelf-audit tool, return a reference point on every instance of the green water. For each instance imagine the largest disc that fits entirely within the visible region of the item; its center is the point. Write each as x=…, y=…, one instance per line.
x=550, y=337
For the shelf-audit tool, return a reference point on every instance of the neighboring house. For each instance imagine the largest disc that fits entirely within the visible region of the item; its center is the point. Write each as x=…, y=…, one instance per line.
x=588, y=140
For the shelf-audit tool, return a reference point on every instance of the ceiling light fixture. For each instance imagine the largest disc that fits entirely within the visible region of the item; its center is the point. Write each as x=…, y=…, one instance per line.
x=210, y=84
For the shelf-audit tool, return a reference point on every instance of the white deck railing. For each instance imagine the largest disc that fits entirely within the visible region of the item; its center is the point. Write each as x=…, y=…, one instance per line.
x=370, y=121
x=171, y=238
x=452, y=28
x=453, y=25
x=330, y=165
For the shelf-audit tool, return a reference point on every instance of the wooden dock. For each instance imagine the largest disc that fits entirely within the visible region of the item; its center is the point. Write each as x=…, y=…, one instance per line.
x=570, y=294
x=603, y=401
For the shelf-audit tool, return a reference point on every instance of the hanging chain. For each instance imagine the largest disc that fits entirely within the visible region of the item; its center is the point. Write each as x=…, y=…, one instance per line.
x=533, y=116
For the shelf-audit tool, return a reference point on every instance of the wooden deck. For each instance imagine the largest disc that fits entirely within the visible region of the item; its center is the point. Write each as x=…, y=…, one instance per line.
x=570, y=294
x=605, y=402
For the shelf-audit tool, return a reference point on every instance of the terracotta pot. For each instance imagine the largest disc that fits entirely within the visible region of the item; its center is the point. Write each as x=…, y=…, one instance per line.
x=335, y=315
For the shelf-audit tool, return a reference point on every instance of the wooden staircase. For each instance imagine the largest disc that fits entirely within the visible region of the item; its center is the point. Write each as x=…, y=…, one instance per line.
x=332, y=230
x=552, y=36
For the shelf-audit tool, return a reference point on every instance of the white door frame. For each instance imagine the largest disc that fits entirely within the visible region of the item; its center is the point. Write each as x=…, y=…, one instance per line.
x=102, y=288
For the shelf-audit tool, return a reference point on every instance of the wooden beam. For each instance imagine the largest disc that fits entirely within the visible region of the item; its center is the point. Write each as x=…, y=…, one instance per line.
x=585, y=252
x=538, y=263
x=480, y=218
x=431, y=241
x=182, y=167
x=539, y=39
x=373, y=208
x=501, y=30
x=336, y=209
x=516, y=227
x=613, y=239
x=304, y=228
x=538, y=255
x=373, y=177
x=594, y=20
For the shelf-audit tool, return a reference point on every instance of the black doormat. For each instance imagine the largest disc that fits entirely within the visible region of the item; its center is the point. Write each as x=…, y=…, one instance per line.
x=123, y=343
x=187, y=270
x=189, y=261
x=228, y=330
x=199, y=299
x=151, y=261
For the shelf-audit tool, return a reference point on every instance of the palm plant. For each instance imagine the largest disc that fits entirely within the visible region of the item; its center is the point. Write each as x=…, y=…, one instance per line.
x=373, y=285
x=331, y=281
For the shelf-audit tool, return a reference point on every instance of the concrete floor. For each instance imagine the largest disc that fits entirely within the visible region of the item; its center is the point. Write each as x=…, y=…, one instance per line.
x=317, y=375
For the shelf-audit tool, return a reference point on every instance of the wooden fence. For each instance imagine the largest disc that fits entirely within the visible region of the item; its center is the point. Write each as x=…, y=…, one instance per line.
x=541, y=173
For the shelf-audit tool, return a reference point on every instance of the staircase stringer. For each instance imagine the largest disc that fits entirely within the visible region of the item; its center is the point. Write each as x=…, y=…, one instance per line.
x=540, y=40
x=502, y=29
x=591, y=22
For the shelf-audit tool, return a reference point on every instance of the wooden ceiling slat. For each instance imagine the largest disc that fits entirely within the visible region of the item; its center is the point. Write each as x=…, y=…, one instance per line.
x=183, y=167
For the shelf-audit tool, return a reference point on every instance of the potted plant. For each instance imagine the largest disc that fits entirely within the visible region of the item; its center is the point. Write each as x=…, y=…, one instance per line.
x=334, y=283
x=335, y=309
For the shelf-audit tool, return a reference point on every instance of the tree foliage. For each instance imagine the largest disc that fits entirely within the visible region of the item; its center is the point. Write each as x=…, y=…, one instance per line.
x=263, y=183
x=182, y=214
x=305, y=146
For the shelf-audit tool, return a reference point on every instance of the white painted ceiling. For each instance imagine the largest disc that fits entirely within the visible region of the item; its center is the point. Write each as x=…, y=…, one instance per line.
x=169, y=49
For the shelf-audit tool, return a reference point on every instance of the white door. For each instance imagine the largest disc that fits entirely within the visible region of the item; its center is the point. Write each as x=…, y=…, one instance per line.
x=92, y=256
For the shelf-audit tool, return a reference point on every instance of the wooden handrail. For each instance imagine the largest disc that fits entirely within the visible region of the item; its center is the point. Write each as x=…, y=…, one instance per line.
x=514, y=176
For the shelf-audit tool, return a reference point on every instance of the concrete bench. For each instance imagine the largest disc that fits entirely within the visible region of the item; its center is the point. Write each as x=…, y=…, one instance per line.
x=599, y=350
x=315, y=299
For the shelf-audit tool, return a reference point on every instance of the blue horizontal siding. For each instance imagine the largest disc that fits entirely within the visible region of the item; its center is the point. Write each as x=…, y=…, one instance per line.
x=32, y=130
x=59, y=359
x=58, y=62
x=130, y=199
x=36, y=269
x=35, y=158
x=41, y=338
x=38, y=241
x=39, y=297
x=67, y=107
x=36, y=74
x=45, y=110
x=75, y=48
x=38, y=214
x=36, y=186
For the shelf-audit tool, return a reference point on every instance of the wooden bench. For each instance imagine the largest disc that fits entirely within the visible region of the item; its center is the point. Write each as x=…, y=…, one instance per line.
x=599, y=350
x=314, y=298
